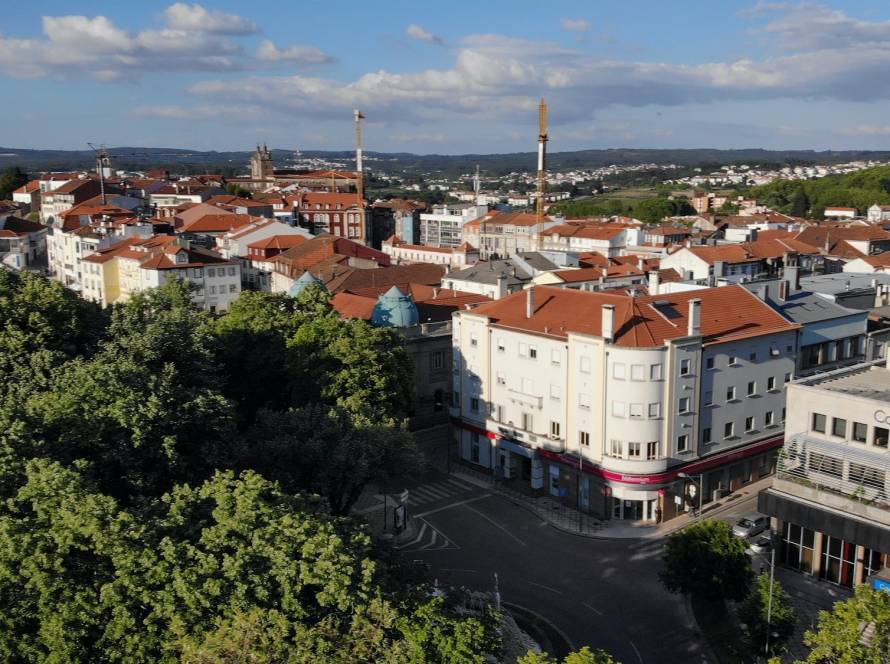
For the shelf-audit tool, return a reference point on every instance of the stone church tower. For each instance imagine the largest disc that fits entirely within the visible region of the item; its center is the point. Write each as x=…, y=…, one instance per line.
x=261, y=164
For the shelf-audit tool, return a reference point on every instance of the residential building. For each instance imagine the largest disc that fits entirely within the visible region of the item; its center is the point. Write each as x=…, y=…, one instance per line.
x=256, y=267
x=834, y=212
x=397, y=216
x=507, y=234
x=878, y=213
x=608, y=239
x=455, y=257
x=829, y=498
x=61, y=199
x=603, y=399
x=492, y=278
x=443, y=225
x=29, y=195
x=22, y=243
x=337, y=214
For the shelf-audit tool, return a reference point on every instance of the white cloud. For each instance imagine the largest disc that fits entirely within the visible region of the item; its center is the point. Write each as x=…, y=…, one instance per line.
x=194, y=39
x=308, y=55
x=813, y=26
x=416, y=32
x=183, y=16
x=867, y=130
x=575, y=24
x=238, y=112
x=418, y=137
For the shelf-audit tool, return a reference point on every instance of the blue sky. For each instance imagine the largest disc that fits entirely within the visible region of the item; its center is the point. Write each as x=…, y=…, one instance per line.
x=450, y=77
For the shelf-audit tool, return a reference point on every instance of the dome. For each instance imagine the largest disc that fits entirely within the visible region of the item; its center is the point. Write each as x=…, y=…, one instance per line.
x=306, y=279
x=395, y=309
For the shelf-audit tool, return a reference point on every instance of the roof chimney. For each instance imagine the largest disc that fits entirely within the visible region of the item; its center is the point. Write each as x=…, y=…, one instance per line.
x=529, y=302
x=792, y=276
x=763, y=292
x=783, y=290
x=694, y=328
x=608, y=331
x=753, y=235
x=719, y=269
x=654, y=282
x=641, y=264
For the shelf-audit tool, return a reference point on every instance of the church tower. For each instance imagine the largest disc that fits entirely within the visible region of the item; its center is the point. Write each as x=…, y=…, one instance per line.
x=261, y=164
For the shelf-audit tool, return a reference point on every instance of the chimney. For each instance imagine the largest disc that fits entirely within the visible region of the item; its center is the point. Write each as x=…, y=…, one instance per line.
x=792, y=276
x=641, y=264
x=763, y=292
x=529, y=302
x=753, y=235
x=719, y=269
x=608, y=331
x=654, y=282
x=694, y=328
x=783, y=290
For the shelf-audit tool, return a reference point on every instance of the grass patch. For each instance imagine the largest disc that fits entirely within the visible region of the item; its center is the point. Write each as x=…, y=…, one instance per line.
x=720, y=630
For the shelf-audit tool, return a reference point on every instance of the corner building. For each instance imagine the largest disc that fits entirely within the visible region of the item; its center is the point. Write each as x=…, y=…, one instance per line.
x=602, y=399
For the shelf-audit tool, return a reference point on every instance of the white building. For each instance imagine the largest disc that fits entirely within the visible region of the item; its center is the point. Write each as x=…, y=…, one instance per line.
x=879, y=212
x=442, y=227
x=454, y=257
x=631, y=390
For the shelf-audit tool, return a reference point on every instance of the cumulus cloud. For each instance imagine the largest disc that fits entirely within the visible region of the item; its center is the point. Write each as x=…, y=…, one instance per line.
x=193, y=39
x=416, y=32
x=867, y=130
x=183, y=16
x=575, y=24
x=812, y=26
x=308, y=55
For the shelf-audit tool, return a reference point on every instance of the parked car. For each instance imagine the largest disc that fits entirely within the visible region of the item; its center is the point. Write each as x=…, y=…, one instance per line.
x=762, y=545
x=751, y=525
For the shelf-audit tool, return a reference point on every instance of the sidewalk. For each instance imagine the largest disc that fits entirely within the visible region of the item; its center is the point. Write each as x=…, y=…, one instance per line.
x=575, y=522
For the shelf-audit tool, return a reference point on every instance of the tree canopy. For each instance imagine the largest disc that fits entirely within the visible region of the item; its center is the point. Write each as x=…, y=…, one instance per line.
x=11, y=179
x=754, y=610
x=854, y=631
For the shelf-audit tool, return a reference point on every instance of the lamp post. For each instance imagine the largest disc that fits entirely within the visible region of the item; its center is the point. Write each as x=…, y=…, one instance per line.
x=701, y=488
x=769, y=603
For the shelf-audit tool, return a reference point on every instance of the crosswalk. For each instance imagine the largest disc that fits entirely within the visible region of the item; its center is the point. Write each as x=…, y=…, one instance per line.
x=427, y=539
x=429, y=493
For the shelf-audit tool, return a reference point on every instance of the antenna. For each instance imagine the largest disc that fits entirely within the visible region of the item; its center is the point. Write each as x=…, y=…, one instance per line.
x=103, y=161
x=542, y=165
x=359, y=175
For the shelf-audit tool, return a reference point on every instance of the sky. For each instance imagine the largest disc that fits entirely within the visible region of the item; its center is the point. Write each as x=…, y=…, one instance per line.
x=446, y=77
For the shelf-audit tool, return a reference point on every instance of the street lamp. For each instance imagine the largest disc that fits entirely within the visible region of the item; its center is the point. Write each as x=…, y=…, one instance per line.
x=701, y=487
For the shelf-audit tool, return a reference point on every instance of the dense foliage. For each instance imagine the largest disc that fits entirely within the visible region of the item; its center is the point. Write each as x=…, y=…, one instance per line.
x=754, y=611
x=11, y=179
x=176, y=485
x=707, y=560
x=856, y=630
x=651, y=210
x=810, y=197
x=583, y=656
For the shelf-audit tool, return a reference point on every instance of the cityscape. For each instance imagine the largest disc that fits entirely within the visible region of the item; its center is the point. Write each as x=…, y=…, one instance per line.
x=557, y=342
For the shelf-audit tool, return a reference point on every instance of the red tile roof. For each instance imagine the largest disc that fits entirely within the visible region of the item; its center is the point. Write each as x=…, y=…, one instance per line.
x=216, y=223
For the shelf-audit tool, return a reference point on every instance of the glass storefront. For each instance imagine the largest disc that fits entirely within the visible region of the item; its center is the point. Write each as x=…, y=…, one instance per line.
x=838, y=558
x=796, y=550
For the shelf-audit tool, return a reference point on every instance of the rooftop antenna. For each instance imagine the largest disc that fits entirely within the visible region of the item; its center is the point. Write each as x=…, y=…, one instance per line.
x=542, y=165
x=359, y=175
x=103, y=161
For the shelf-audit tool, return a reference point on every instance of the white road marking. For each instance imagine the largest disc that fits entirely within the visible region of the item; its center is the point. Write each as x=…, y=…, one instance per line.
x=419, y=537
x=448, y=507
x=541, y=585
x=495, y=524
x=594, y=609
x=639, y=656
x=460, y=485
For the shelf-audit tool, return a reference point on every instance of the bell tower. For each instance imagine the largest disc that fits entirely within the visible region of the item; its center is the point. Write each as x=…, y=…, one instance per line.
x=261, y=167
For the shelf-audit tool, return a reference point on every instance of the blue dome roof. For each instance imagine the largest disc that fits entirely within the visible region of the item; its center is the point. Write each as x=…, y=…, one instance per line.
x=395, y=309
x=300, y=284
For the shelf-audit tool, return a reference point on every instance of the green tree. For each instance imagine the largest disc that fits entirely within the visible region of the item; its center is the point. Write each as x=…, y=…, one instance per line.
x=11, y=179
x=237, y=190
x=753, y=612
x=799, y=204
x=707, y=560
x=321, y=451
x=583, y=656
x=854, y=631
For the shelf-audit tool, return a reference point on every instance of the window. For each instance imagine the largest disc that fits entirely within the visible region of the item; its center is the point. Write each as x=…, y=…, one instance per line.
x=827, y=465
x=474, y=340
x=685, y=367
x=783, y=413
x=523, y=350
x=501, y=378
x=584, y=438
x=752, y=357
x=866, y=475
x=709, y=398
x=879, y=437
x=749, y=423
x=771, y=383
x=555, y=392
x=819, y=422
x=554, y=429
x=474, y=448
x=502, y=346
x=733, y=361
x=616, y=448
x=637, y=372
x=752, y=388
x=618, y=371
x=211, y=272
x=654, y=410
x=787, y=377
x=533, y=352
x=231, y=271
x=636, y=410
x=585, y=365
x=231, y=288
x=709, y=363
x=730, y=393
x=652, y=450
x=527, y=421
x=706, y=436
x=683, y=443
x=213, y=290
x=633, y=450
x=474, y=404
x=838, y=427
x=684, y=405
x=436, y=360
x=555, y=356
x=655, y=372
x=728, y=430
x=768, y=418
x=618, y=409
x=860, y=432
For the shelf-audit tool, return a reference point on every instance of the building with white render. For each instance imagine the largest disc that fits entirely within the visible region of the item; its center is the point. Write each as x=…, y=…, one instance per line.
x=603, y=399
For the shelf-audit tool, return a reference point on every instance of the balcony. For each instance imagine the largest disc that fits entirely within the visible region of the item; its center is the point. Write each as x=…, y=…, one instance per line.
x=517, y=396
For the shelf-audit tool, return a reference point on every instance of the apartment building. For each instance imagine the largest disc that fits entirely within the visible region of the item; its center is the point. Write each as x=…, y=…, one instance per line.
x=829, y=498
x=404, y=252
x=335, y=213
x=22, y=242
x=603, y=399
x=443, y=225
x=505, y=235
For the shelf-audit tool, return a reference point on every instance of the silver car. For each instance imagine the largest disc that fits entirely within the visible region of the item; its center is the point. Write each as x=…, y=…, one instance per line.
x=751, y=525
x=762, y=545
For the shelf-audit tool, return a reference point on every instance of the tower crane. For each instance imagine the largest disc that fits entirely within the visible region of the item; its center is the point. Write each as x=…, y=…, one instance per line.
x=359, y=174
x=103, y=161
x=542, y=165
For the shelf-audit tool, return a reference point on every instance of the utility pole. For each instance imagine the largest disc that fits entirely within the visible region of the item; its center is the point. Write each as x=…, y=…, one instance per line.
x=542, y=165
x=359, y=174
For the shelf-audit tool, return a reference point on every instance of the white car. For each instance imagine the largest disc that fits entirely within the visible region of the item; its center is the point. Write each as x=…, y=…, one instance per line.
x=751, y=525
x=762, y=545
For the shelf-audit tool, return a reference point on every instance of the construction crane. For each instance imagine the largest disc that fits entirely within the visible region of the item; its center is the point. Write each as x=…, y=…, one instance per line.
x=542, y=165
x=359, y=172
x=103, y=161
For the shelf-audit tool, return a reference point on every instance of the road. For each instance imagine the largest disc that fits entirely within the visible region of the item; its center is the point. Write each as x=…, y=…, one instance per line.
x=604, y=593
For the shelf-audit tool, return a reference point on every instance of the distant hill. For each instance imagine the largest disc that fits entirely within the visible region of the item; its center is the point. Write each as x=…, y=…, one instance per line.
x=449, y=166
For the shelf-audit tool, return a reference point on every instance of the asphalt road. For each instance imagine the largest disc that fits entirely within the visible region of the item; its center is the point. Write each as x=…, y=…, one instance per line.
x=604, y=593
